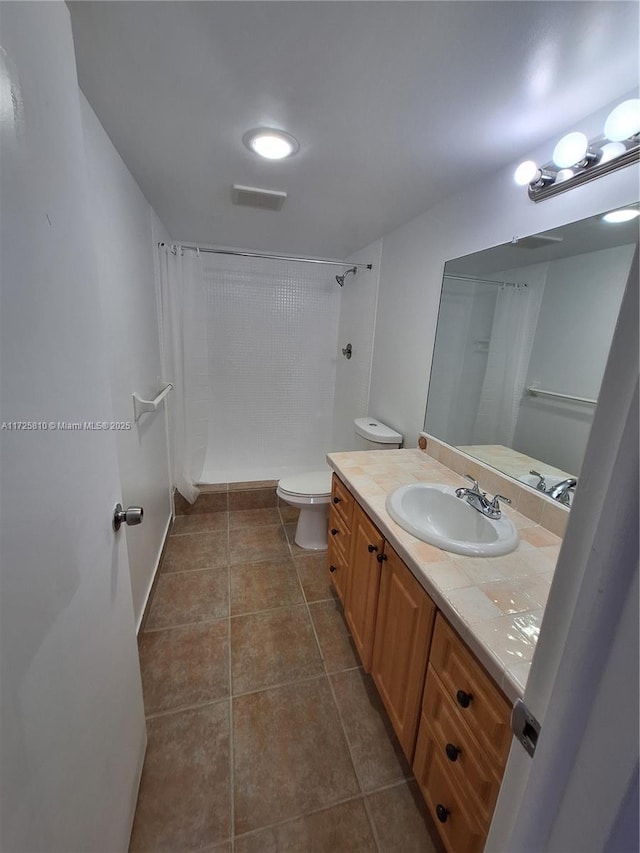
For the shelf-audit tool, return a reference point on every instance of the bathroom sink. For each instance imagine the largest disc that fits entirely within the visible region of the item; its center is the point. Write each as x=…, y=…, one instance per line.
x=434, y=514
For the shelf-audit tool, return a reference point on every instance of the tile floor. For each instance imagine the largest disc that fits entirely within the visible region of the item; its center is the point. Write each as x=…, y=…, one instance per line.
x=264, y=734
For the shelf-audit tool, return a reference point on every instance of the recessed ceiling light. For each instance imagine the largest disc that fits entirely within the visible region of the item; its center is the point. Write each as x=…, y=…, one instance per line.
x=270, y=143
x=626, y=214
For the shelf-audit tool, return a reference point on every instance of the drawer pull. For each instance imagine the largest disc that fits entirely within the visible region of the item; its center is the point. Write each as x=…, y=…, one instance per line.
x=332, y=569
x=463, y=699
x=336, y=500
x=334, y=531
x=442, y=813
x=452, y=752
x=381, y=558
x=372, y=548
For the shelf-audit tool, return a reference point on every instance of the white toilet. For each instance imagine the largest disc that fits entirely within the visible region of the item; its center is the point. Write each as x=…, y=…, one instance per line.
x=311, y=493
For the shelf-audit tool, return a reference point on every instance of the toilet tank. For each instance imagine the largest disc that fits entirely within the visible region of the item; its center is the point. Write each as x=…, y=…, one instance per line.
x=372, y=434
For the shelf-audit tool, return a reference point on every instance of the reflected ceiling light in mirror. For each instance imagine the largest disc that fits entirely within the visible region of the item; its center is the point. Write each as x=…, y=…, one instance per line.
x=577, y=160
x=623, y=121
x=625, y=214
x=271, y=144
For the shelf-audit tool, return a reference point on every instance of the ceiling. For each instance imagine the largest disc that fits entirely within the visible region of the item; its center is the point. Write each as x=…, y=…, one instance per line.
x=576, y=238
x=396, y=105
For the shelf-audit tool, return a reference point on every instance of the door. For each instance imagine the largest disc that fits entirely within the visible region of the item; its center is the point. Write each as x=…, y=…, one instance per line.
x=72, y=734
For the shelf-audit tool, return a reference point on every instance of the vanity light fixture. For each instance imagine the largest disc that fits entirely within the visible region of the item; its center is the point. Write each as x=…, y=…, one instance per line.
x=271, y=144
x=577, y=159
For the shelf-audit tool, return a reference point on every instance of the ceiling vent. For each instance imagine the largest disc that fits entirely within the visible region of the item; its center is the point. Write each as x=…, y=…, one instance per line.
x=535, y=241
x=256, y=197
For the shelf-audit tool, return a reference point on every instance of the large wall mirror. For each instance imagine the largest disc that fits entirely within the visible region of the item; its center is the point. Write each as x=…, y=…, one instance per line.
x=523, y=335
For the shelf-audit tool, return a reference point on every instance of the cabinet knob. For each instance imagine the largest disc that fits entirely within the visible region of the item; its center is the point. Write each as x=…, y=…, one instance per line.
x=442, y=813
x=372, y=548
x=336, y=500
x=381, y=558
x=334, y=531
x=332, y=569
x=463, y=699
x=452, y=752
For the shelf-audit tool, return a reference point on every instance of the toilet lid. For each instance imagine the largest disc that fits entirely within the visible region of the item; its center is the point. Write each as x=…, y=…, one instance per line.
x=314, y=483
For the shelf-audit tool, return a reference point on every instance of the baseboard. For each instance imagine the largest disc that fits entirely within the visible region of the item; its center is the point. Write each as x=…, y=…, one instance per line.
x=154, y=578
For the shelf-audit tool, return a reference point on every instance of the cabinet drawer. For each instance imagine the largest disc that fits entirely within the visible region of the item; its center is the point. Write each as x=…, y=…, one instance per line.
x=481, y=704
x=459, y=831
x=339, y=533
x=466, y=763
x=342, y=500
x=338, y=569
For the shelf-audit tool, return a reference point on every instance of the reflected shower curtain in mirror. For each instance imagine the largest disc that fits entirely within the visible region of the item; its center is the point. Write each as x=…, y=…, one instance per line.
x=184, y=358
x=512, y=332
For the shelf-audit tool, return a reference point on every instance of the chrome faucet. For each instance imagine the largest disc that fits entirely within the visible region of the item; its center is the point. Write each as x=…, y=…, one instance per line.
x=479, y=500
x=560, y=492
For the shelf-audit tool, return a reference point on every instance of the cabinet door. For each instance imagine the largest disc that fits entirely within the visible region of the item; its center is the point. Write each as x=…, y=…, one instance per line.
x=363, y=583
x=404, y=625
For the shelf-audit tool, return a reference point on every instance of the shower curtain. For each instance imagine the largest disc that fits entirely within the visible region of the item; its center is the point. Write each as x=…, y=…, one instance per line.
x=512, y=332
x=182, y=309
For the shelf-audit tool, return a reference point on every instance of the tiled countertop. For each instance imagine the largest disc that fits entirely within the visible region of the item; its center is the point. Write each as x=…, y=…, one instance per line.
x=494, y=603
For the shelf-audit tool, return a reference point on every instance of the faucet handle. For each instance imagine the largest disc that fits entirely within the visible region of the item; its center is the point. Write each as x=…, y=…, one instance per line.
x=542, y=483
x=474, y=481
x=494, y=503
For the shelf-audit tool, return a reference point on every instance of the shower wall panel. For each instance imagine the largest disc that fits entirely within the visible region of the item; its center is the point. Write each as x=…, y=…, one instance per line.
x=272, y=336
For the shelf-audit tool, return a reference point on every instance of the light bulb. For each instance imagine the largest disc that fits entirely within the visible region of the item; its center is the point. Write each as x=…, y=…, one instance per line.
x=570, y=150
x=624, y=121
x=611, y=150
x=563, y=175
x=525, y=173
x=626, y=214
x=271, y=144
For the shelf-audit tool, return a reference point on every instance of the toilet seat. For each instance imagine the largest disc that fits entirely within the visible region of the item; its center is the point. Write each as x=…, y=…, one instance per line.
x=314, y=485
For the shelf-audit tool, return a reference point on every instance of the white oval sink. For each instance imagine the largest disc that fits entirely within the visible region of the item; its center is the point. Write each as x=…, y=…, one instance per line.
x=434, y=514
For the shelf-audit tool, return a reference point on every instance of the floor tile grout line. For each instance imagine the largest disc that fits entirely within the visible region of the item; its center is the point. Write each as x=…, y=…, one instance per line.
x=305, y=680
x=182, y=708
x=344, y=801
x=206, y=621
x=231, y=729
x=342, y=725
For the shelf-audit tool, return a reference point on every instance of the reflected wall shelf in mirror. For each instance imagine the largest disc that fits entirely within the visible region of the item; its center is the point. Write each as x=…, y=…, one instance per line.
x=523, y=335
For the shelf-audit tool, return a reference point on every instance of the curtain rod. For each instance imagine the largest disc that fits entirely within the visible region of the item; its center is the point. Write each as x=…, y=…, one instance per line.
x=268, y=257
x=486, y=280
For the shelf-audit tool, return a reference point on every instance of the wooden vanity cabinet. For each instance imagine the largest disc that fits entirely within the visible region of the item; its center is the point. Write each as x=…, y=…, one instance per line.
x=404, y=625
x=452, y=720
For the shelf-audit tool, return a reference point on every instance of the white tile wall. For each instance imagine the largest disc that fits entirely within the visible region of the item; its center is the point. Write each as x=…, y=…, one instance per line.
x=272, y=336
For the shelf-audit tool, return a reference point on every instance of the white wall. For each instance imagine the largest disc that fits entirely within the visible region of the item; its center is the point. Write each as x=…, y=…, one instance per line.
x=577, y=317
x=121, y=219
x=358, y=303
x=413, y=258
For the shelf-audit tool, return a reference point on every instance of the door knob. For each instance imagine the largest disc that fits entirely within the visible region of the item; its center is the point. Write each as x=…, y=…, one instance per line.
x=131, y=516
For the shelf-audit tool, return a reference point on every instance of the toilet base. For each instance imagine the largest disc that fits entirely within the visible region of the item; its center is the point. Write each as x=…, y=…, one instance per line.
x=312, y=530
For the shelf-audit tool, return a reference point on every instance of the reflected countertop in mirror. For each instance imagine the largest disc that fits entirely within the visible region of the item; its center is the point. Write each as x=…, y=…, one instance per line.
x=524, y=331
